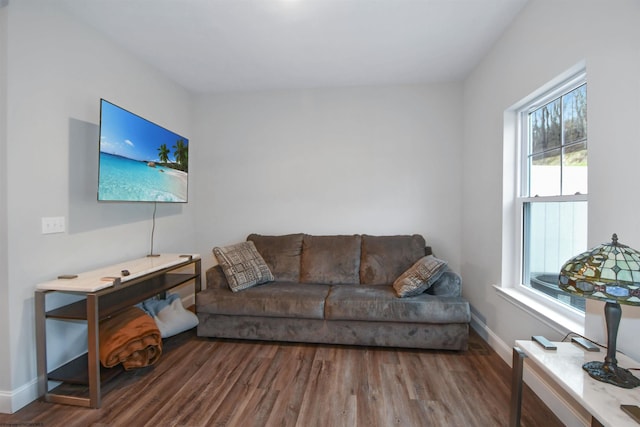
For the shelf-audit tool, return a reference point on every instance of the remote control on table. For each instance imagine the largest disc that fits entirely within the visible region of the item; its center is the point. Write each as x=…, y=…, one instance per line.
x=585, y=343
x=545, y=343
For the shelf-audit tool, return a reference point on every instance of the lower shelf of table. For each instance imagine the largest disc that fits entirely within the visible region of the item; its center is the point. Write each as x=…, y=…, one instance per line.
x=76, y=372
x=73, y=376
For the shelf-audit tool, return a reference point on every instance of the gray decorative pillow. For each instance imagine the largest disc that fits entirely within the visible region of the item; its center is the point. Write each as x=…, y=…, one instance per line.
x=242, y=265
x=419, y=277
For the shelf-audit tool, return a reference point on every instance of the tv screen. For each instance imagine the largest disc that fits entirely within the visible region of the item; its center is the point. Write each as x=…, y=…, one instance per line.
x=140, y=161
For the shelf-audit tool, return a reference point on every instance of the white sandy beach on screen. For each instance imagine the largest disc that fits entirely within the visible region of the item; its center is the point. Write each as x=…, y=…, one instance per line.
x=178, y=174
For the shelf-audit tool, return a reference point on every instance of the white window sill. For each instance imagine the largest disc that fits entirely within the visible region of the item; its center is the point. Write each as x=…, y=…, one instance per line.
x=551, y=313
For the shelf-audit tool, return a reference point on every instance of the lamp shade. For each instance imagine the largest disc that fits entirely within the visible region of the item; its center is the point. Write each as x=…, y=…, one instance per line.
x=609, y=272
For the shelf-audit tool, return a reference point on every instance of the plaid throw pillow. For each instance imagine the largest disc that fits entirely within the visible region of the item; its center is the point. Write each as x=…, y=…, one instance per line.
x=242, y=265
x=419, y=277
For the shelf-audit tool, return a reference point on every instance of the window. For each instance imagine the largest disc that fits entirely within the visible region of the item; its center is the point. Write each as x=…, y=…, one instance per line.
x=552, y=198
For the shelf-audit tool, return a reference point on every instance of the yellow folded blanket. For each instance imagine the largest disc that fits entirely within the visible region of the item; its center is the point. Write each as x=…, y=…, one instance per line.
x=132, y=338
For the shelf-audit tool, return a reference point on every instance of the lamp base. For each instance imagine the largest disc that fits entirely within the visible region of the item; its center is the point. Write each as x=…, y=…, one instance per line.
x=612, y=374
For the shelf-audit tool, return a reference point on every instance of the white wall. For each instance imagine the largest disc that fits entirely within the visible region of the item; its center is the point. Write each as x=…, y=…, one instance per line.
x=57, y=70
x=374, y=160
x=546, y=39
x=5, y=370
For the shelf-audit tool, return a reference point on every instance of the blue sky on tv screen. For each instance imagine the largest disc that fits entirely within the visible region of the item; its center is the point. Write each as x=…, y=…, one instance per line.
x=125, y=134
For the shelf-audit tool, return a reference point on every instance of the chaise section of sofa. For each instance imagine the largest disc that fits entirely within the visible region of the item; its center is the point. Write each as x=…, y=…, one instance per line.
x=337, y=290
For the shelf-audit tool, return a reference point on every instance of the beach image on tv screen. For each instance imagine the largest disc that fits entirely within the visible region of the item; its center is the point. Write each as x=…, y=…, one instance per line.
x=139, y=160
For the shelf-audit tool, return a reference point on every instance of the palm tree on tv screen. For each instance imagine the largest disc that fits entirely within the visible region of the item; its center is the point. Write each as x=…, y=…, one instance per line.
x=163, y=153
x=181, y=154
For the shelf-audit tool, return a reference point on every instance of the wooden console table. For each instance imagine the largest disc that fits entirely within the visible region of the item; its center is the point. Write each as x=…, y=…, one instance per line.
x=106, y=291
x=564, y=367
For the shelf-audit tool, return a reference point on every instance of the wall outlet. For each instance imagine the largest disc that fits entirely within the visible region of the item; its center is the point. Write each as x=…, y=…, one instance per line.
x=53, y=224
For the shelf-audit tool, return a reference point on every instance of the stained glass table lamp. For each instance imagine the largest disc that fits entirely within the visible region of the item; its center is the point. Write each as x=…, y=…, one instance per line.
x=609, y=272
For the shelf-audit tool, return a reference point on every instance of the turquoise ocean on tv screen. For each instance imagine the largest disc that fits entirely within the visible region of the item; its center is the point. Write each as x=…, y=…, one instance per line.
x=124, y=179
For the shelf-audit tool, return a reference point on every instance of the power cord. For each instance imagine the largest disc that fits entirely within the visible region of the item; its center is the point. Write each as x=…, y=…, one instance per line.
x=575, y=334
x=572, y=334
x=153, y=229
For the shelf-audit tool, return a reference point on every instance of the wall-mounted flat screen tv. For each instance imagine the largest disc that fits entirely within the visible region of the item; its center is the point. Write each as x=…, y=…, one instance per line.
x=140, y=161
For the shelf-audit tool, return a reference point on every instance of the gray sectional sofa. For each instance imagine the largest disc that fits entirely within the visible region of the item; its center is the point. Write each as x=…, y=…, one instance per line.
x=337, y=290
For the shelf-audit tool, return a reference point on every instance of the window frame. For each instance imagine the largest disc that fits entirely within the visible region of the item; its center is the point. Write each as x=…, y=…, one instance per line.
x=561, y=314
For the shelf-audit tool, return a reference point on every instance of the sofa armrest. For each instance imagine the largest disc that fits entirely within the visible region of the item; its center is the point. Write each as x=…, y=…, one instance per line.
x=449, y=284
x=216, y=278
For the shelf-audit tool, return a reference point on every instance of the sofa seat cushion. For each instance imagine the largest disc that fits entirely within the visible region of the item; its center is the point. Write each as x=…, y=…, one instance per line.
x=380, y=303
x=384, y=258
x=332, y=260
x=275, y=299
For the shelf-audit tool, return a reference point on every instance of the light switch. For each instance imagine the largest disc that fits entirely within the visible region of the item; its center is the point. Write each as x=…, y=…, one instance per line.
x=53, y=224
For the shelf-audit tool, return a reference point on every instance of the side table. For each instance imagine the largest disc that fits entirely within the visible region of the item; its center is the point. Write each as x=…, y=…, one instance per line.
x=104, y=293
x=564, y=368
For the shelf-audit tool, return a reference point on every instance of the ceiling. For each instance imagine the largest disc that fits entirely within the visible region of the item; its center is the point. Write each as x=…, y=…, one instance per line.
x=212, y=46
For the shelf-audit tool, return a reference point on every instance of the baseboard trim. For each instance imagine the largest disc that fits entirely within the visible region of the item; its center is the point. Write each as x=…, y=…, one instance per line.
x=565, y=408
x=13, y=401
x=5, y=403
x=188, y=301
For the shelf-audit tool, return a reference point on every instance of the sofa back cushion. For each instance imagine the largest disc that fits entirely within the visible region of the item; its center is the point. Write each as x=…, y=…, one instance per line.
x=385, y=258
x=332, y=260
x=281, y=254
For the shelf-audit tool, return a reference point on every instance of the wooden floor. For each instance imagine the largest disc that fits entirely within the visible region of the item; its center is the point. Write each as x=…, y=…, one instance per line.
x=208, y=382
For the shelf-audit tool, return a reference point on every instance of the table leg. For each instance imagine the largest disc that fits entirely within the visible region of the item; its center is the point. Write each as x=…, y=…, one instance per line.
x=41, y=343
x=516, y=387
x=94, y=351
